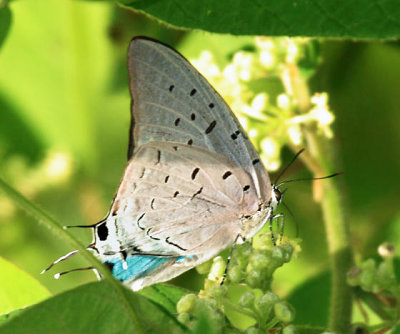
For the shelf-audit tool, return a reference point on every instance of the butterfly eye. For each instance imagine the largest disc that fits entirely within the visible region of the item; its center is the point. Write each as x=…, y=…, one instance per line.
x=278, y=194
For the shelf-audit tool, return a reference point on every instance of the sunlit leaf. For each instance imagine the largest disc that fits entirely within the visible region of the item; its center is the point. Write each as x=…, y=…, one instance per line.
x=18, y=289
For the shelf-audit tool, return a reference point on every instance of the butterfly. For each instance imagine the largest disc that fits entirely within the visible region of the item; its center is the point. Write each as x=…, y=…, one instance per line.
x=194, y=183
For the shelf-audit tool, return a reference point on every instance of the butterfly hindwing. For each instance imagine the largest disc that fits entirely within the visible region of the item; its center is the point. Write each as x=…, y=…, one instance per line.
x=174, y=198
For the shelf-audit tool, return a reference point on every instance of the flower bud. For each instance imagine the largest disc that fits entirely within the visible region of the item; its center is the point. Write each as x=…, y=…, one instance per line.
x=284, y=311
x=186, y=303
x=247, y=299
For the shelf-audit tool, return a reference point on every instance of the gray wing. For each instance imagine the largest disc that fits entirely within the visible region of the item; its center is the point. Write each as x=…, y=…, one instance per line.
x=176, y=199
x=171, y=101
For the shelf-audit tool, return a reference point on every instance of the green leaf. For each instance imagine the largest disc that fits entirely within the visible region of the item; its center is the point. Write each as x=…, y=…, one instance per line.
x=53, y=77
x=315, y=294
x=5, y=22
x=164, y=295
x=92, y=308
x=18, y=289
x=329, y=18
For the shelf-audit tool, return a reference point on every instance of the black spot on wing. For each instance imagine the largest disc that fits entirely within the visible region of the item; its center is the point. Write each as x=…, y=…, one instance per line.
x=158, y=157
x=124, y=254
x=256, y=161
x=211, y=105
x=226, y=175
x=194, y=172
x=177, y=121
x=148, y=234
x=192, y=92
x=198, y=192
x=193, y=116
x=166, y=179
x=171, y=88
x=152, y=203
x=211, y=127
x=190, y=142
x=109, y=265
x=174, y=244
x=246, y=187
x=139, y=219
x=176, y=193
x=102, y=231
x=235, y=135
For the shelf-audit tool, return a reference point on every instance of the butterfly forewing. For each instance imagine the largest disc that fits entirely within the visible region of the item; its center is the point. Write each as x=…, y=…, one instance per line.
x=173, y=102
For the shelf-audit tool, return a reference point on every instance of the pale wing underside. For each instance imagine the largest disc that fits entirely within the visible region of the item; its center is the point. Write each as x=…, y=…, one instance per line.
x=177, y=199
x=173, y=102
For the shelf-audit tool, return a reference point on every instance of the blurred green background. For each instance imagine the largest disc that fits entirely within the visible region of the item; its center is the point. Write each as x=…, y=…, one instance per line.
x=64, y=120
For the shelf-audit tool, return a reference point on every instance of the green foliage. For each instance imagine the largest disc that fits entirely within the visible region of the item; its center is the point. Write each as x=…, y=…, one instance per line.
x=5, y=21
x=18, y=289
x=92, y=308
x=356, y=19
x=64, y=117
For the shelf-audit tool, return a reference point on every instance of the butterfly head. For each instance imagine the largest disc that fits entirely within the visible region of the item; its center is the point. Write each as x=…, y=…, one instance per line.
x=276, y=197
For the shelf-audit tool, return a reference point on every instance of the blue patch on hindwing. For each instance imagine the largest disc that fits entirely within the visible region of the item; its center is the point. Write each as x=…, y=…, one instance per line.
x=138, y=265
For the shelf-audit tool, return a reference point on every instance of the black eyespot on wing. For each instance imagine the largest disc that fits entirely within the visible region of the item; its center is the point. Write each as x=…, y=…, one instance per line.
x=171, y=88
x=194, y=173
x=176, y=193
x=192, y=92
x=175, y=148
x=177, y=121
x=166, y=179
x=256, y=161
x=226, y=175
x=211, y=127
x=102, y=231
x=246, y=187
x=211, y=105
x=190, y=142
x=193, y=116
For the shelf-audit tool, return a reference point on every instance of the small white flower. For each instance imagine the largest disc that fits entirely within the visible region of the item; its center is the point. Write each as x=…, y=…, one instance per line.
x=295, y=134
x=230, y=73
x=292, y=51
x=270, y=147
x=283, y=101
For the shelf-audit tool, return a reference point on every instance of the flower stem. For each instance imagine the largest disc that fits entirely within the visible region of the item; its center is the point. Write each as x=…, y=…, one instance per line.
x=319, y=158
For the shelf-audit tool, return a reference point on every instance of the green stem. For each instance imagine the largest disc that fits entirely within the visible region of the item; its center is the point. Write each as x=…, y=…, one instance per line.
x=42, y=217
x=338, y=236
x=319, y=159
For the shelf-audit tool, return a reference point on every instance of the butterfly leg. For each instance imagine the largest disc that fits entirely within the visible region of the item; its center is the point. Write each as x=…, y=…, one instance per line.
x=280, y=226
x=238, y=237
x=270, y=220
